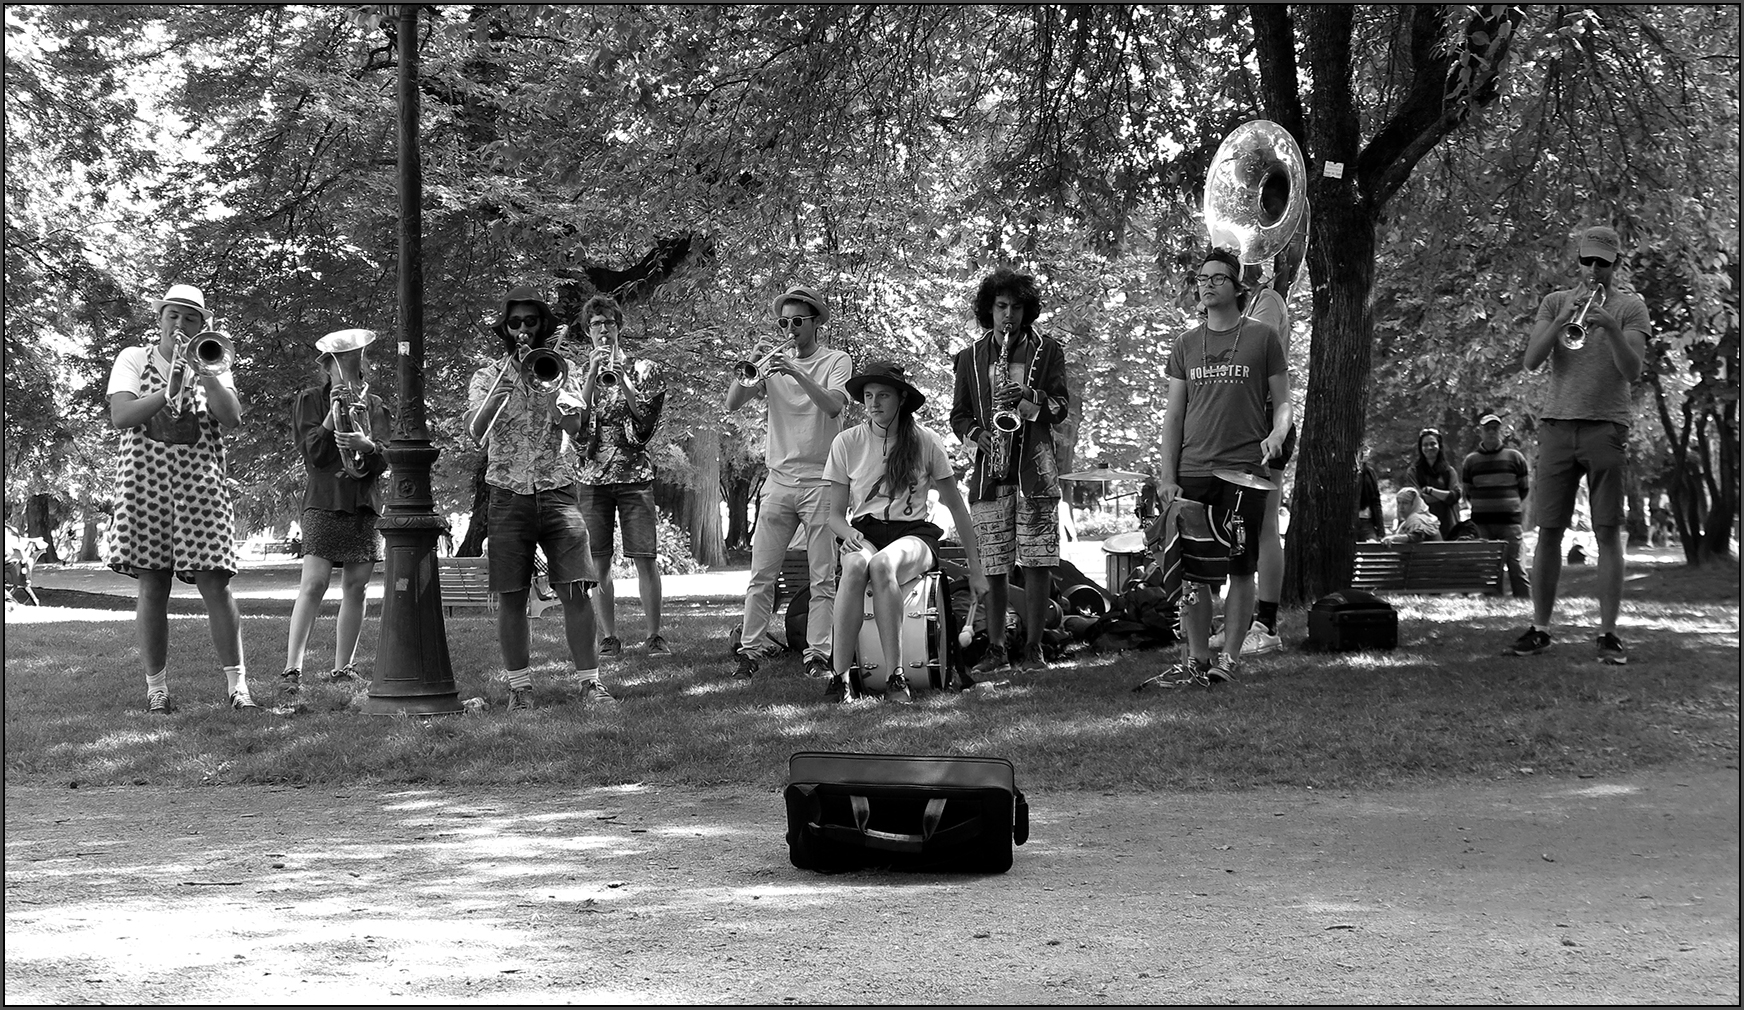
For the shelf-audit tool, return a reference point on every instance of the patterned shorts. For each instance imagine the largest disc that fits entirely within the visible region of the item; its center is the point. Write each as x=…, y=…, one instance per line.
x=1012, y=523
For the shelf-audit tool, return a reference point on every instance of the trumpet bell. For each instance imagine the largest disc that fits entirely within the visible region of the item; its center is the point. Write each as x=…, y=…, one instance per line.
x=211, y=353
x=607, y=377
x=545, y=369
x=748, y=372
x=1256, y=191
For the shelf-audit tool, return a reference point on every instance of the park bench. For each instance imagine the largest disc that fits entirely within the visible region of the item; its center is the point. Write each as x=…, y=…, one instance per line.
x=272, y=547
x=1458, y=566
x=466, y=584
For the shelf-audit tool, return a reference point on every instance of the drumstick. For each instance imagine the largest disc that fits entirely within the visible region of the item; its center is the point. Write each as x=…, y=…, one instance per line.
x=967, y=635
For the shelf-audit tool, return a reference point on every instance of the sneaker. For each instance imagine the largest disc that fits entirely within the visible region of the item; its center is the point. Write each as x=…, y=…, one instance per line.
x=817, y=669
x=1222, y=669
x=344, y=675
x=1531, y=642
x=158, y=702
x=1033, y=662
x=610, y=646
x=1190, y=673
x=896, y=689
x=992, y=662
x=657, y=646
x=594, y=693
x=520, y=700
x=240, y=699
x=839, y=689
x=290, y=686
x=1611, y=650
x=1259, y=641
x=747, y=667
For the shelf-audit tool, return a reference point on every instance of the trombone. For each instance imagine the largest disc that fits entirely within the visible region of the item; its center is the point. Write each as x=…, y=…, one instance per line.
x=209, y=353
x=542, y=368
x=1574, y=335
x=752, y=372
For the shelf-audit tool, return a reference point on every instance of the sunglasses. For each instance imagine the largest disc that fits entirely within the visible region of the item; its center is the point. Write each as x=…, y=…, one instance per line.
x=521, y=323
x=1593, y=261
x=1213, y=280
x=789, y=322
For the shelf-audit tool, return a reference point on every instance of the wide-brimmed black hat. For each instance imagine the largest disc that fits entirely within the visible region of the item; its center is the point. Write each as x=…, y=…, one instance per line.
x=891, y=374
x=527, y=293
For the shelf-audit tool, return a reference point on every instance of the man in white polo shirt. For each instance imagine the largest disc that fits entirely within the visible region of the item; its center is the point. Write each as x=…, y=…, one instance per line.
x=806, y=390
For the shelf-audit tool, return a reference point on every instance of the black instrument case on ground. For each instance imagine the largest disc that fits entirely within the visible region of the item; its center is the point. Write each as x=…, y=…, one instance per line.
x=903, y=811
x=1352, y=619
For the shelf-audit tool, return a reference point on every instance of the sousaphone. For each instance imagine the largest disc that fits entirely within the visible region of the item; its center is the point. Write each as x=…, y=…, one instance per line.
x=1256, y=191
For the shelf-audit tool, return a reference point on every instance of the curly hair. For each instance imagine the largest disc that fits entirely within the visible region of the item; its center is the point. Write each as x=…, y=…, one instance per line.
x=1006, y=281
x=601, y=305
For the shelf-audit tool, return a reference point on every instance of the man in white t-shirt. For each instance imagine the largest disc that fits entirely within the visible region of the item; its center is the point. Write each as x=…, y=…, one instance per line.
x=806, y=392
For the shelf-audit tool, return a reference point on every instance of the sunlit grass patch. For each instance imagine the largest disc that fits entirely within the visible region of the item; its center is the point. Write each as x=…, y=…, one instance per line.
x=1444, y=705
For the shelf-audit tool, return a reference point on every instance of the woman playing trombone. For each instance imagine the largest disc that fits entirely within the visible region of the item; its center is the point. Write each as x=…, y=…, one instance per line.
x=173, y=514
x=342, y=430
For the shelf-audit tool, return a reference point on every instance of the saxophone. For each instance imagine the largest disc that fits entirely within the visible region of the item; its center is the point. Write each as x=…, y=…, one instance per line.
x=1006, y=421
x=351, y=413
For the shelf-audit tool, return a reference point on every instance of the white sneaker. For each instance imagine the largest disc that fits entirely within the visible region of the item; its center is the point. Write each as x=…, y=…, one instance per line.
x=1259, y=642
x=239, y=698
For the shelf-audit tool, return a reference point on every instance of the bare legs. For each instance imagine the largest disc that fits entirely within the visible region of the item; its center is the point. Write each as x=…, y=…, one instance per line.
x=353, y=587
x=886, y=572
x=606, y=598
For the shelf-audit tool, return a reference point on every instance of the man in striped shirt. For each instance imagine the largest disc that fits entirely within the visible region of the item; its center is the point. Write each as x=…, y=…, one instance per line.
x=1496, y=481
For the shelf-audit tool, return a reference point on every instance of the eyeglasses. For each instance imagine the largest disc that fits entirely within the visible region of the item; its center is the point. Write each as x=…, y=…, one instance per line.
x=602, y=324
x=1592, y=261
x=789, y=322
x=1213, y=280
x=521, y=323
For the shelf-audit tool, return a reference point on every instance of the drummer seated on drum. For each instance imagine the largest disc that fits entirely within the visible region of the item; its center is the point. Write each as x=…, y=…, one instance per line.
x=879, y=475
x=1221, y=374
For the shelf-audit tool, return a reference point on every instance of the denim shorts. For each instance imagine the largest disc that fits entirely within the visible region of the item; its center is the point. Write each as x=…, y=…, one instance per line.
x=633, y=507
x=549, y=520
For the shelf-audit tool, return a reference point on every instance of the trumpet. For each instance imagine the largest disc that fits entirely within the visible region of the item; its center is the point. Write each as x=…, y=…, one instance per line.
x=752, y=372
x=209, y=353
x=1574, y=335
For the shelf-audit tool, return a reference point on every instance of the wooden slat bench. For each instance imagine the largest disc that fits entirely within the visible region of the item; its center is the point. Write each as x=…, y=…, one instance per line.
x=466, y=584
x=1459, y=566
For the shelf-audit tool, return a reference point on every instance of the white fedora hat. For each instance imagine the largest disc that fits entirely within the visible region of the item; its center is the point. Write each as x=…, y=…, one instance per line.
x=340, y=341
x=185, y=295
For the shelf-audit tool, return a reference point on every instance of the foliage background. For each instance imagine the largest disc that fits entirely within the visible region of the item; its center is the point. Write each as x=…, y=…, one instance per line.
x=697, y=160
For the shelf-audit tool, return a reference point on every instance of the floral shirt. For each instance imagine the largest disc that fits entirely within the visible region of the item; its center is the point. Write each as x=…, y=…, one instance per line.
x=528, y=447
x=613, y=443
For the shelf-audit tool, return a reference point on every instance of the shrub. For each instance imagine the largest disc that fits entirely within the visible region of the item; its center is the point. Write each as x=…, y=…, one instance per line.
x=1099, y=525
x=672, y=553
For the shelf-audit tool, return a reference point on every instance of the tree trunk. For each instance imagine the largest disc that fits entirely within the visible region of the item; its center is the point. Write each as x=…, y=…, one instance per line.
x=1322, y=541
x=701, y=517
x=741, y=490
x=472, y=545
x=41, y=520
x=88, y=540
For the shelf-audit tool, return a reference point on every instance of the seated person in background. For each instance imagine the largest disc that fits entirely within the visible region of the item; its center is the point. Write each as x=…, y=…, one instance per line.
x=1415, y=523
x=879, y=474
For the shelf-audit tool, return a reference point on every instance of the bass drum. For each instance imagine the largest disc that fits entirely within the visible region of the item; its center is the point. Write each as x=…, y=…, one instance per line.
x=924, y=640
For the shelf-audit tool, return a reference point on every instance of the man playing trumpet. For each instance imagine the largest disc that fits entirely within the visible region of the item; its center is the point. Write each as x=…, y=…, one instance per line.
x=1010, y=391
x=624, y=396
x=806, y=391
x=1595, y=338
x=534, y=493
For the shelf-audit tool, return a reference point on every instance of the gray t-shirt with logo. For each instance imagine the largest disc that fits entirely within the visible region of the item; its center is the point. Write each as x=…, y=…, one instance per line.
x=1228, y=373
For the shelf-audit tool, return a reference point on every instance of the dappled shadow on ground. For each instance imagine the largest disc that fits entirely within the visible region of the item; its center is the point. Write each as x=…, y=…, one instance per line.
x=1565, y=890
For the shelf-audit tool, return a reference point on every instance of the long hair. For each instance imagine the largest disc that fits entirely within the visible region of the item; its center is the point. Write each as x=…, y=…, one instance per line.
x=902, y=465
x=1006, y=281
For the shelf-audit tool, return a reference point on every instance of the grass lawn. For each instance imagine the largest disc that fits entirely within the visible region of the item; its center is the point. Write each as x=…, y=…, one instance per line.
x=1445, y=705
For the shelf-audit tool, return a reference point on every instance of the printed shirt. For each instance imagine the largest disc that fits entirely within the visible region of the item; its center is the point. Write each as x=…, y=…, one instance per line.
x=1228, y=376
x=857, y=460
x=614, y=443
x=526, y=449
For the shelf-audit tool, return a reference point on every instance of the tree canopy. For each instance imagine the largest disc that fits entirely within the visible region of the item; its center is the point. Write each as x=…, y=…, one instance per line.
x=696, y=160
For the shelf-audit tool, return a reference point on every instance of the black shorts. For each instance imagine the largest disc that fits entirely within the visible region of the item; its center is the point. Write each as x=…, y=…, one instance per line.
x=882, y=533
x=1220, y=498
